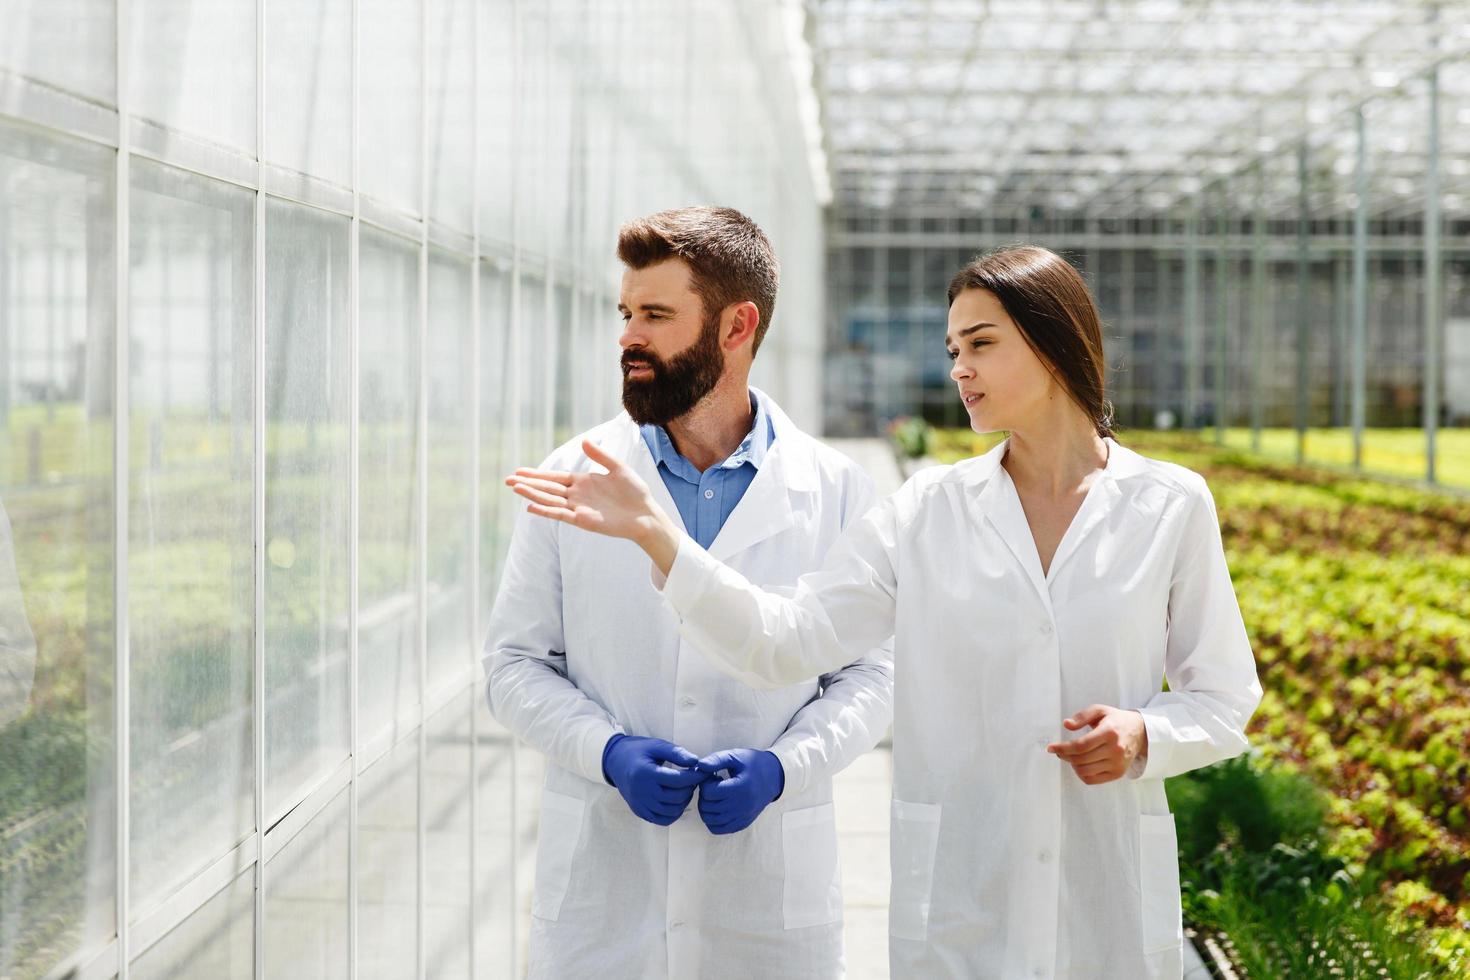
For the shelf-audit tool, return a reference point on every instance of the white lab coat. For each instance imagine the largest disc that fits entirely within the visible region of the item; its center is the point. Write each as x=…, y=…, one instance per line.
x=581, y=647
x=1004, y=863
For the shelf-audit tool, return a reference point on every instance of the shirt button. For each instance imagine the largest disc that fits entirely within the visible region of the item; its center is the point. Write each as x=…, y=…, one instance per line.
x=687, y=701
x=1046, y=629
x=1043, y=856
x=676, y=924
x=709, y=495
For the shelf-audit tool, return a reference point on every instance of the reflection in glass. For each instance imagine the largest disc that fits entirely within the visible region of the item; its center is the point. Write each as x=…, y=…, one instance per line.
x=308, y=87
x=215, y=942
x=306, y=900
x=495, y=845
x=496, y=510
x=451, y=513
x=308, y=391
x=447, y=870
x=200, y=68
x=190, y=561
x=389, y=442
x=390, y=95
x=57, y=295
x=450, y=120
x=387, y=874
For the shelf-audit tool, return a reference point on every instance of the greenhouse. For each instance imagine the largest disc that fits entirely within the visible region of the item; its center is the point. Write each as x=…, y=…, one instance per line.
x=287, y=290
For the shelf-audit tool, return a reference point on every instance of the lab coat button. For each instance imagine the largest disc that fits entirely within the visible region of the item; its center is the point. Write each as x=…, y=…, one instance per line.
x=676, y=924
x=1046, y=629
x=709, y=495
x=1044, y=856
x=687, y=702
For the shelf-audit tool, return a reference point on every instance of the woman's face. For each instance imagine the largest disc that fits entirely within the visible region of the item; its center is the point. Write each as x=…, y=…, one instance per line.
x=1002, y=382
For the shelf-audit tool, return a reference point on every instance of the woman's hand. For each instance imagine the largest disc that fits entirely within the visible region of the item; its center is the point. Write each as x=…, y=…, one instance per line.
x=616, y=503
x=1104, y=754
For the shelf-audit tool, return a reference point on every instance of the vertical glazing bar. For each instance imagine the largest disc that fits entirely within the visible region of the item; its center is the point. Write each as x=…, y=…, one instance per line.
x=258, y=420
x=1258, y=305
x=354, y=280
x=1222, y=309
x=1433, y=273
x=1191, y=317
x=474, y=581
x=1303, y=305
x=514, y=442
x=120, y=454
x=421, y=545
x=1359, y=339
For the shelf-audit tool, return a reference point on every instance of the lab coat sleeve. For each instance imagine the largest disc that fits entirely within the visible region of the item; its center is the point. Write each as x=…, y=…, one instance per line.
x=855, y=707
x=525, y=661
x=1213, y=688
x=838, y=613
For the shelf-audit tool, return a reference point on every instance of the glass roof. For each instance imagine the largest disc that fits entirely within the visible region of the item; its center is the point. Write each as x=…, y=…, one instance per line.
x=1135, y=107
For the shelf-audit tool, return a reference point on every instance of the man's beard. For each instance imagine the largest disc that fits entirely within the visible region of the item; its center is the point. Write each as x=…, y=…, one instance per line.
x=678, y=384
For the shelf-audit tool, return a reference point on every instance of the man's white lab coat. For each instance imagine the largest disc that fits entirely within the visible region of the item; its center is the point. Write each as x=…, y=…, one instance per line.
x=1005, y=864
x=581, y=647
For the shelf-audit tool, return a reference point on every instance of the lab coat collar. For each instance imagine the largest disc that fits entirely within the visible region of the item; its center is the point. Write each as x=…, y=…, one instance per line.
x=998, y=502
x=786, y=475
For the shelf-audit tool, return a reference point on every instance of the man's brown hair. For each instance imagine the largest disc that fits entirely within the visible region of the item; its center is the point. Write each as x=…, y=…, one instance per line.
x=730, y=259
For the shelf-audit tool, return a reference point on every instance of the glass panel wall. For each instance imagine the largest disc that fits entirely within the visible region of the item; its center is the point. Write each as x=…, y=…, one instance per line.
x=332, y=275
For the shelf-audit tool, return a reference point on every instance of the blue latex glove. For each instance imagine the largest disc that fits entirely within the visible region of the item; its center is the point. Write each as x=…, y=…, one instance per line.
x=729, y=805
x=643, y=771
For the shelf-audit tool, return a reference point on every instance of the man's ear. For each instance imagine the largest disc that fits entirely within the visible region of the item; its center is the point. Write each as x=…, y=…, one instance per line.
x=741, y=321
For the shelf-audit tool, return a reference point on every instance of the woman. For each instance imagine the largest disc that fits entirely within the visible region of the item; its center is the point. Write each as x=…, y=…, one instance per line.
x=1036, y=591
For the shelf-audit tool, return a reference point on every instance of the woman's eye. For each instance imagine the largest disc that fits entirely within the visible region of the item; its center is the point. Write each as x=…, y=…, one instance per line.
x=951, y=354
x=977, y=344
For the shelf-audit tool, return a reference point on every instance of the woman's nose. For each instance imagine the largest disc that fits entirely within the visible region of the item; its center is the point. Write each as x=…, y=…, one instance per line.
x=959, y=372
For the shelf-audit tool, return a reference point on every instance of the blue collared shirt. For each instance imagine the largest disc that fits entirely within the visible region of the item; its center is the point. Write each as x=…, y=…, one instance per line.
x=705, y=500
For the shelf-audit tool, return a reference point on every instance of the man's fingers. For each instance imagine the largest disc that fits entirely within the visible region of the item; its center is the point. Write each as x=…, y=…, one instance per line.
x=679, y=779
x=676, y=754
x=674, y=797
x=721, y=760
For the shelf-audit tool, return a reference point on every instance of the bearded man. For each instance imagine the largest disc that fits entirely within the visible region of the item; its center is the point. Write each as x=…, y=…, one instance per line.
x=634, y=881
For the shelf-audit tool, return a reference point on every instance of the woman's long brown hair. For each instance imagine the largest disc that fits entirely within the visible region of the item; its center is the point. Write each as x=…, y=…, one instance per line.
x=1051, y=304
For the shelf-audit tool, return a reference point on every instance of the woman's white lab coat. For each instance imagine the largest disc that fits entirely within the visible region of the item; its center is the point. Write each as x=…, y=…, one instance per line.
x=1005, y=864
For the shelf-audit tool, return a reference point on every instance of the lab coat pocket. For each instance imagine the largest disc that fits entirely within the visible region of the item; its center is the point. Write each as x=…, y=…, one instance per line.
x=556, y=842
x=1158, y=882
x=915, y=843
x=812, y=895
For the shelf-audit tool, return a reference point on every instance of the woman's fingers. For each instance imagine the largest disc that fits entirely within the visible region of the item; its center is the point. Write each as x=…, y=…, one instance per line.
x=545, y=486
x=538, y=496
x=555, y=476
x=594, y=452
